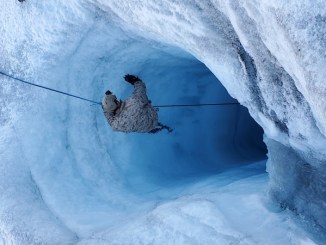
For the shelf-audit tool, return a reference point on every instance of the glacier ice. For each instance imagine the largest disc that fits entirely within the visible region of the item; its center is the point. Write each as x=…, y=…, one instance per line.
x=67, y=178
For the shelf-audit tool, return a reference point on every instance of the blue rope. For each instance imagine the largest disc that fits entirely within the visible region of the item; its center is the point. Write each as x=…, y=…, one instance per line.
x=212, y=104
x=99, y=103
x=51, y=89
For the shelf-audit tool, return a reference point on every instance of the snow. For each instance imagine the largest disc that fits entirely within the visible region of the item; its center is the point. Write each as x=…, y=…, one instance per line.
x=67, y=178
x=213, y=211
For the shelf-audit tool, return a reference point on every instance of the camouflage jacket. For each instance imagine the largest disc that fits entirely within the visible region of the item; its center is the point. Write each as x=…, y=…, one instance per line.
x=136, y=114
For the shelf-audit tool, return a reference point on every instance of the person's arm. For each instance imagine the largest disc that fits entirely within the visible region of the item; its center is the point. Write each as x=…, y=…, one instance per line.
x=139, y=92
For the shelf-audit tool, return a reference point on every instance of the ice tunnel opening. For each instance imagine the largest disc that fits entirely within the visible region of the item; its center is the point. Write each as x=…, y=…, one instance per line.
x=89, y=176
x=205, y=140
x=78, y=162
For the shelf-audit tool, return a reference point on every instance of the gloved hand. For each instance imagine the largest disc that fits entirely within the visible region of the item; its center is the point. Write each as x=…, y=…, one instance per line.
x=131, y=79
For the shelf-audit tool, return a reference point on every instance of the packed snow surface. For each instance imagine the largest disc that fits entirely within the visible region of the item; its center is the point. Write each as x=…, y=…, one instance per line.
x=67, y=178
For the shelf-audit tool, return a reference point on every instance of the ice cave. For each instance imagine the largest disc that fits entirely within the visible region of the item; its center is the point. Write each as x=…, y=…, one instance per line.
x=251, y=172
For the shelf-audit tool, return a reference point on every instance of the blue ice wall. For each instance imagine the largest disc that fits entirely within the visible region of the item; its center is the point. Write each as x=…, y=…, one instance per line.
x=77, y=175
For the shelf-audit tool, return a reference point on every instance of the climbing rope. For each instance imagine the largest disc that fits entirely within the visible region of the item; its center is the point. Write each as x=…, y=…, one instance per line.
x=51, y=89
x=99, y=103
x=212, y=104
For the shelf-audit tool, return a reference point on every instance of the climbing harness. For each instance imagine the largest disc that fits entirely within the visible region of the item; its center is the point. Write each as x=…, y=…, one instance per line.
x=99, y=103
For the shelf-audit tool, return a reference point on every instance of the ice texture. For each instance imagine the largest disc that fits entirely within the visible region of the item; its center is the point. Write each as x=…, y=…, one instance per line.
x=67, y=178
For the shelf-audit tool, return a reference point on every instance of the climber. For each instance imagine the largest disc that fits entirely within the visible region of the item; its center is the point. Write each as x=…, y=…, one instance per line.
x=135, y=114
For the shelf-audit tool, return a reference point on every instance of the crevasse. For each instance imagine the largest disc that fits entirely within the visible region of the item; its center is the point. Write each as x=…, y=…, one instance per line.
x=67, y=178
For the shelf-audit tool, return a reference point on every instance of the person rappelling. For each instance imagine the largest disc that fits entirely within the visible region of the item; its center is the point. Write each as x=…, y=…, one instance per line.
x=135, y=114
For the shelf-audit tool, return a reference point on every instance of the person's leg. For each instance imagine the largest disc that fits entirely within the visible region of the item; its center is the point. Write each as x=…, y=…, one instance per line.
x=155, y=130
x=160, y=128
x=169, y=129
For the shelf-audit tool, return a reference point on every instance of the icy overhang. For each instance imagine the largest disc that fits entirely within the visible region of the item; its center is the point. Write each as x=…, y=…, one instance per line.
x=268, y=58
